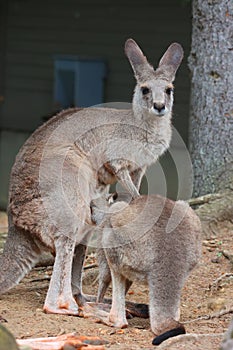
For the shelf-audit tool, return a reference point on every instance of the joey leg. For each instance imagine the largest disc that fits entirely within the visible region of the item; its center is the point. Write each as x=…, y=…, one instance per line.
x=100, y=310
x=105, y=279
x=104, y=275
x=117, y=314
x=59, y=299
x=133, y=309
x=165, y=307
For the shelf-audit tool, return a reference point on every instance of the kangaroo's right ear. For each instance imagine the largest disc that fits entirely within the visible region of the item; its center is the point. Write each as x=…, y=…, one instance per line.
x=137, y=59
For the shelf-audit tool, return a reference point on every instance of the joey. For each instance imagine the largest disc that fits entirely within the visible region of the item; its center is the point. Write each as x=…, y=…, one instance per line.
x=135, y=245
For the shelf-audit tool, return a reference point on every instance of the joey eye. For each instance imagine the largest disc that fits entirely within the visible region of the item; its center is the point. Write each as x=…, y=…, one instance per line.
x=145, y=90
x=169, y=90
x=115, y=196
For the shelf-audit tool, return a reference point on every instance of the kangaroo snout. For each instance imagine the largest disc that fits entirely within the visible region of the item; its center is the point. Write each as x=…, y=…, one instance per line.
x=159, y=109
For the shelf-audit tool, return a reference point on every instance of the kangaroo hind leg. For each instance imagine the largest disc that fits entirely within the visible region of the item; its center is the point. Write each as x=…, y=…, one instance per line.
x=59, y=299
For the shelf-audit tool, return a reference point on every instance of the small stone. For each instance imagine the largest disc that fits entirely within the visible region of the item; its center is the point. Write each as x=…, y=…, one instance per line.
x=215, y=260
x=39, y=310
x=216, y=304
x=7, y=340
x=210, y=249
x=227, y=343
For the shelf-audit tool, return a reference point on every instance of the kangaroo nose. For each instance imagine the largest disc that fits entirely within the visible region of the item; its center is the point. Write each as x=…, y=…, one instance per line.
x=160, y=107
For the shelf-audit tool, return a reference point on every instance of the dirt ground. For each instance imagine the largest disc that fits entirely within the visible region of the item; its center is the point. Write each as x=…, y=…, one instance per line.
x=203, y=295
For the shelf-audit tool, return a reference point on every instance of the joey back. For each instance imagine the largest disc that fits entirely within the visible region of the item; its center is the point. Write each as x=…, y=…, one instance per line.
x=134, y=245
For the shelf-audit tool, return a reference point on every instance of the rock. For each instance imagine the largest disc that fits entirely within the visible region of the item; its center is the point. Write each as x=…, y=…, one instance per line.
x=7, y=340
x=227, y=343
x=217, y=304
x=228, y=255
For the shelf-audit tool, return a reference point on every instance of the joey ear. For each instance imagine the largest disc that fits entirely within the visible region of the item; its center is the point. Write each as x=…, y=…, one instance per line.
x=112, y=198
x=171, y=61
x=136, y=58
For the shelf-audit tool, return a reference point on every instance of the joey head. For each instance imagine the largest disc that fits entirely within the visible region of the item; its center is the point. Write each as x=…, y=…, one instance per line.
x=136, y=246
x=72, y=159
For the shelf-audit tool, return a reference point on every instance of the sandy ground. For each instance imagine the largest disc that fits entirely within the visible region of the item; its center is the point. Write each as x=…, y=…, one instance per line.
x=202, y=295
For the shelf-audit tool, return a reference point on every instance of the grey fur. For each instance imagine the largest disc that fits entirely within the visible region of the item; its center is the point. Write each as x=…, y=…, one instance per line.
x=147, y=253
x=72, y=159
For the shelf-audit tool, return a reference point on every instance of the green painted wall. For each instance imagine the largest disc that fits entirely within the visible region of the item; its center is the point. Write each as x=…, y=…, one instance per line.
x=37, y=31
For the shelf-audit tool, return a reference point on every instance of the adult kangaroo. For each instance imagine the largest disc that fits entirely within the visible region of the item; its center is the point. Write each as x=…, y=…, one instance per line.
x=72, y=159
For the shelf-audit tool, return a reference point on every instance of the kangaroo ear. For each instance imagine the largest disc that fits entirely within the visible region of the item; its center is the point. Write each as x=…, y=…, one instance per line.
x=137, y=59
x=170, y=61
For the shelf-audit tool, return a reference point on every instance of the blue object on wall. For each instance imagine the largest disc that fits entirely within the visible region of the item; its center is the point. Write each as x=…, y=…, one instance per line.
x=79, y=82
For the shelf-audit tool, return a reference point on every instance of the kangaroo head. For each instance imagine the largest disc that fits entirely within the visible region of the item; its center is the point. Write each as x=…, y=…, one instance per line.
x=103, y=207
x=154, y=90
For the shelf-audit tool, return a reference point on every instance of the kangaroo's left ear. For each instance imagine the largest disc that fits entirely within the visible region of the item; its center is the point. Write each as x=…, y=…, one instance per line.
x=170, y=61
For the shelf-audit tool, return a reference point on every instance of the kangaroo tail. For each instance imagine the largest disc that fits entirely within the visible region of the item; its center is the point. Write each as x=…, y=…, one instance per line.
x=21, y=252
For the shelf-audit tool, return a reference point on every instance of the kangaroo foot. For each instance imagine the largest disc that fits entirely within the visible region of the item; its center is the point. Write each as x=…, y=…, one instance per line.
x=118, y=319
x=100, y=313
x=97, y=311
x=63, y=306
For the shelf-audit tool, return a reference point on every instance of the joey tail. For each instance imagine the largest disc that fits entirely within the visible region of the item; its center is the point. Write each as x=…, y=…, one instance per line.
x=168, y=334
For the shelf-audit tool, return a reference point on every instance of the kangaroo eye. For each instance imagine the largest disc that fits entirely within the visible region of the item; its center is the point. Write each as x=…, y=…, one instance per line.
x=145, y=90
x=169, y=90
